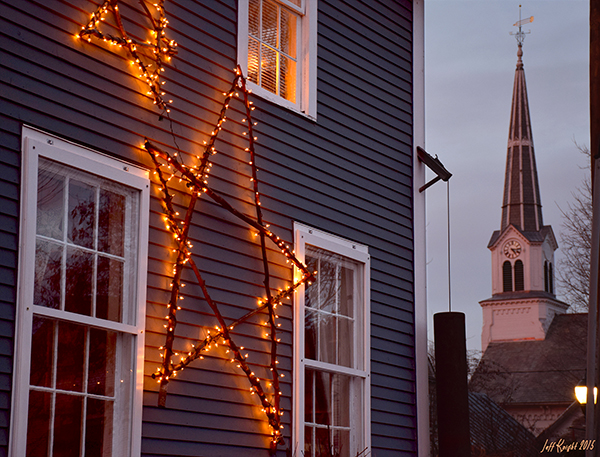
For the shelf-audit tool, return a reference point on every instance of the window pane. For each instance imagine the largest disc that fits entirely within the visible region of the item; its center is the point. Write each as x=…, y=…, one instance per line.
x=287, y=78
x=254, y=18
x=328, y=286
x=322, y=398
x=341, y=400
x=101, y=376
x=109, y=289
x=71, y=357
x=347, y=291
x=42, y=352
x=48, y=260
x=268, y=68
x=80, y=271
x=288, y=33
x=311, y=299
x=308, y=440
x=345, y=342
x=67, y=425
x=308, y=396
x=328, y=338
x=38, y=427
x=253, y=60
x=341, y=441
x=50, y=201
x=311, y=328
x=269, y=23
x=81, y=214
x=98, y=433
x=322, y=442
x=330, y=327
x=111, y=219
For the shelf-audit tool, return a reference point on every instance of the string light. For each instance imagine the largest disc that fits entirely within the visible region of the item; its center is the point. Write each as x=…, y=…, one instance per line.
x=150, y=56
x=196, y=180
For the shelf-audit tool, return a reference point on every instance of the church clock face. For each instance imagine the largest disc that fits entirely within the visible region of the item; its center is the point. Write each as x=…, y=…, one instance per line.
x=512, y=249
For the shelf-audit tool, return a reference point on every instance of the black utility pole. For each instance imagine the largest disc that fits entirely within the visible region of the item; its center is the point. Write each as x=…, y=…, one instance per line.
x=451, y=384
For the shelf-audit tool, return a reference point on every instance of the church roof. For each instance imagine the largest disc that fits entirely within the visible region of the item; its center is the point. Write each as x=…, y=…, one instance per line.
x=521, y=204
x=541, y=371
x=533, y=237
x=524, y=295
x=495, y=432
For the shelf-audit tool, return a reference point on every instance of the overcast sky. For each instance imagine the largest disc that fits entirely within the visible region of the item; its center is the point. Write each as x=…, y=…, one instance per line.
x=470, y=60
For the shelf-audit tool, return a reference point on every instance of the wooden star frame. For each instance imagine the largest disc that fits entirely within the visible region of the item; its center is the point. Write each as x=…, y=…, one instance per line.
x=196, y=179
x=149, y=56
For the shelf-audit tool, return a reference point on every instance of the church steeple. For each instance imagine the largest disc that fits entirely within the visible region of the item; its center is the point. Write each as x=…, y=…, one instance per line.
x=523, y=300
x=521, y=206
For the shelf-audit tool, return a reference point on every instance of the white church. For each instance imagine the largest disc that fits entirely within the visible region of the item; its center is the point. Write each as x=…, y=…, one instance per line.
x=534, y=352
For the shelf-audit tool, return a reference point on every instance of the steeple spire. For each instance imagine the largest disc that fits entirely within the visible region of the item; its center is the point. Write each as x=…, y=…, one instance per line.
x=521, y=205
x=523, y=302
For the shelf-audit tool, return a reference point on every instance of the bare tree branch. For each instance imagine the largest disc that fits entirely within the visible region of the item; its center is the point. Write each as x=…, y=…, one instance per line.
x=573, y=273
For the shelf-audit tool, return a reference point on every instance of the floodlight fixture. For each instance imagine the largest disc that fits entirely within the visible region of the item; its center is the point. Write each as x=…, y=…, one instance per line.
x=434, y=164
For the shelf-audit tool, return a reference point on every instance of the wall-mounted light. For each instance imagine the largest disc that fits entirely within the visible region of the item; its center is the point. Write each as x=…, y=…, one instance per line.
x=434, y=164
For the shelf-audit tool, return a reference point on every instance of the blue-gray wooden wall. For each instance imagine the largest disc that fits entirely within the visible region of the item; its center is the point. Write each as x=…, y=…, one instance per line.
x=348, y=173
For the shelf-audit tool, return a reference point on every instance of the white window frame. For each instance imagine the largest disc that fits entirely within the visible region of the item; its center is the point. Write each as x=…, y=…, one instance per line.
x=306, y=66
x=36, y=144
x=304, y=235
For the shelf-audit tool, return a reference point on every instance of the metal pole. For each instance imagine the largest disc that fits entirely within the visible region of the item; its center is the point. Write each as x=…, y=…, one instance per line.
x=592, y=375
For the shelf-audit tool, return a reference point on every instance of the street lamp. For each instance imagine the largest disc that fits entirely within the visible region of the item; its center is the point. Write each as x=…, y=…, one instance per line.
x=581, y=395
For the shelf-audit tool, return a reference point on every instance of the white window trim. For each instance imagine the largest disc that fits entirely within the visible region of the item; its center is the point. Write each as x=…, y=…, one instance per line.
x=34, y=145
x=306, y=235
x=306, y=88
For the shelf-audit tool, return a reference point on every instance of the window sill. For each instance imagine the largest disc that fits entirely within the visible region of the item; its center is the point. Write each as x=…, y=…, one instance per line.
x=280, y=101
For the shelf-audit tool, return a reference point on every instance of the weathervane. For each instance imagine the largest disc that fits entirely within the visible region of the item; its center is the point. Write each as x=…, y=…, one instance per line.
x=520, y=35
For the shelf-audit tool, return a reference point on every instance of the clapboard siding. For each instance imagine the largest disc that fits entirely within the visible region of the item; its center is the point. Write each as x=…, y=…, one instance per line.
x=9, y=212
x=349, y=173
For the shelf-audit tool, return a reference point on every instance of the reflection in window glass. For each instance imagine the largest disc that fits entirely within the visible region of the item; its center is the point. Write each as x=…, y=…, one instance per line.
x=81, y=213
x=42, y=353
x=109, y=289
x=48, y=270
x=50, y=200
x=79, y=276
x=329, y=315
x=82, y=270
x=70, y=357
x=111, y=218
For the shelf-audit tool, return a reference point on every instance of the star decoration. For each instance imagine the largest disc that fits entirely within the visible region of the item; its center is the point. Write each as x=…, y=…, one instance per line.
x=196, y=179
x=149, y=56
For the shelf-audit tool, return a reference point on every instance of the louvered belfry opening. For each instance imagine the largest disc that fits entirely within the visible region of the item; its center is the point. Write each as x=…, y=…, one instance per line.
x=519, y=276
x=507, y=277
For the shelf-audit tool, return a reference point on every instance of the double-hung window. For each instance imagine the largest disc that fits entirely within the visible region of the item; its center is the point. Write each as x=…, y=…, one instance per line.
x=277, y=50
x=332, y=350
x=81, y=306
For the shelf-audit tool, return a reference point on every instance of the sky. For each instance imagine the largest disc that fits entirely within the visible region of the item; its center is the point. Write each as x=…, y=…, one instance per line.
x=470, y=60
